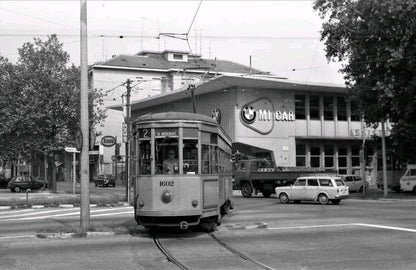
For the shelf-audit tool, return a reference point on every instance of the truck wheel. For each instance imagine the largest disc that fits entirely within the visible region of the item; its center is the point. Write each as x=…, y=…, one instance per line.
x=246, y=190
x=414, y=190
x=266, y=194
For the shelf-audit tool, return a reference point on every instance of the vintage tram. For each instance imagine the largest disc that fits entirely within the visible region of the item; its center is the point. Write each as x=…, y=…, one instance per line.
x=183, y=170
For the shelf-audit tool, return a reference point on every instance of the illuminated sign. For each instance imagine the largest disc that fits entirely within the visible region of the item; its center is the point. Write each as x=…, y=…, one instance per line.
x=108, y=141
x=260, y=115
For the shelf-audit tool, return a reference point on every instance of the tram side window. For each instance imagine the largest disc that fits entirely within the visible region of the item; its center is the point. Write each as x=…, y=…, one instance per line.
x=190, y=156
x=144, y=157
x=209, y=153
x=205, y=159
x=167, y=161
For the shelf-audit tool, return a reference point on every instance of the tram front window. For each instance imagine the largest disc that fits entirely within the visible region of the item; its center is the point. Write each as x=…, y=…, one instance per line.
x=167, y=161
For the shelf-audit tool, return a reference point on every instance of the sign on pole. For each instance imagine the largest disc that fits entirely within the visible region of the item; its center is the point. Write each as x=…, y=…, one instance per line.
x=124, y=132
x=108, y=141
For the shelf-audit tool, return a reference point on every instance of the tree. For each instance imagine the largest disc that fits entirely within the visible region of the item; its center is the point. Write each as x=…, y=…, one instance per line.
x=43, y=104
x=376, y=39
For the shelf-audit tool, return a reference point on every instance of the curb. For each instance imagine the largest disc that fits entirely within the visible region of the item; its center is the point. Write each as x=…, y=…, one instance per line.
x=5, y=207
x=259, y=225
x=66, y=206
x=73, y=235
x=38, y=206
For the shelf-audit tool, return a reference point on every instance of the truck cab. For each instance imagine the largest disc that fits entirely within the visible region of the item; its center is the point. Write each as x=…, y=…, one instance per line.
x=408, y=180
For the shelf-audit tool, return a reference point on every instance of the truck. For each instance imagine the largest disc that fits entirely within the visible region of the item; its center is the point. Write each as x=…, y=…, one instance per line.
x=260, y=175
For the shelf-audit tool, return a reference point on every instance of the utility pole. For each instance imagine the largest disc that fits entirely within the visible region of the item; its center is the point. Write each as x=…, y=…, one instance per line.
x=85, y=172
x=126, y=137
x=383, y=151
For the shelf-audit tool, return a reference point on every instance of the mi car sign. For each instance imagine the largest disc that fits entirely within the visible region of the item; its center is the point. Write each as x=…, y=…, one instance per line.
x=108, y=141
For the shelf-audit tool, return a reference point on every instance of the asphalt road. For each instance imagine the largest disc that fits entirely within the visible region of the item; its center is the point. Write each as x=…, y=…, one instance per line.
x=357, y=234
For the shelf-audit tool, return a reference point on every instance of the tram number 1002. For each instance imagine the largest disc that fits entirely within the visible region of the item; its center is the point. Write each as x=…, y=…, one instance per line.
x=166, y=183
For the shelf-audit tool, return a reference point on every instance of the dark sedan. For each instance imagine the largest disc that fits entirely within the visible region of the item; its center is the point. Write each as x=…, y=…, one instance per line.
x=19, y=183
x=3, y=181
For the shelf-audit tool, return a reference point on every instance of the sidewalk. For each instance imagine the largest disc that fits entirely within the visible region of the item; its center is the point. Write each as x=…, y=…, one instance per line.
x=64, y=196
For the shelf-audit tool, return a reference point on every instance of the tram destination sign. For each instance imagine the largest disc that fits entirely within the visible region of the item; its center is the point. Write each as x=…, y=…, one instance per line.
x=166, y=132
x=108, y=141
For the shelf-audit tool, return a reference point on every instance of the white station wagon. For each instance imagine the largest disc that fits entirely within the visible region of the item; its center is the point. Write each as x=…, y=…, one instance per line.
x=323, y=189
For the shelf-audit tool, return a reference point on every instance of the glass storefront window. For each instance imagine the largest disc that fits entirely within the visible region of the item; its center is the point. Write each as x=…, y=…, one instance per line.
x=300, y=155
x=329, y=155
x=315, y=156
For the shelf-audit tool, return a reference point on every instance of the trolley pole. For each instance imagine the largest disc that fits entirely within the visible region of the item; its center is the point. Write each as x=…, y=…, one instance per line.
x=85, y=172
x=126, y=138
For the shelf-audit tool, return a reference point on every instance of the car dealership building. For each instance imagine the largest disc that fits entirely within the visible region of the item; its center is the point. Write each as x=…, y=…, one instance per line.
x=294, y=124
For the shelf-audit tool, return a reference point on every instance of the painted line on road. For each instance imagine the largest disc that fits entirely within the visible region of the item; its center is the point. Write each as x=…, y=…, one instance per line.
x=33, y=213
x=344, y=225
x=74, y=212
x=312, y=226
x=16, y=236
x=386, y=227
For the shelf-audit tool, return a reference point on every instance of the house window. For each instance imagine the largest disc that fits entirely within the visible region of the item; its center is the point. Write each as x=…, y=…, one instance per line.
x=314, y=107
x=342, y=109
x=177, y=56
x=300, y=155
x=328, y=108
x=300, y=107
x=156, y=84
x=315, y=156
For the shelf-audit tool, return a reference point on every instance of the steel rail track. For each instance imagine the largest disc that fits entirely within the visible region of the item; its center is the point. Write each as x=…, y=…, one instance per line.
x=239, y=254
x=168, y=255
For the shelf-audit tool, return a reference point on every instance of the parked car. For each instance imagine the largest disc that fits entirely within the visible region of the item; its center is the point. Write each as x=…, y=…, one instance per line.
x=105, y=180
x=323, y=189
x=3, y=181
x=408, y=180
x=19, y=183
x=354, y=182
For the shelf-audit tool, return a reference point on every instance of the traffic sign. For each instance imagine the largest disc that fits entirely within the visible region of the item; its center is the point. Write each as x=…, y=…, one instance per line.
x=71, y=150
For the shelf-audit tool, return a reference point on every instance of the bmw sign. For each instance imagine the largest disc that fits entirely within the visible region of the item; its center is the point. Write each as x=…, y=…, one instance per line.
x=108, y=141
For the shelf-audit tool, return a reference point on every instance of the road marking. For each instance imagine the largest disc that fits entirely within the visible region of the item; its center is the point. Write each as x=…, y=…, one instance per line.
x=73, y=213
x=345, y=225
x=385, y=227
x=16, y=236
x=34, y=212
x=312, y=226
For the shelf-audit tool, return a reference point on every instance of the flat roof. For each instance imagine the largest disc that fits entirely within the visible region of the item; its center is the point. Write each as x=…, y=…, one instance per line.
x=225, y=82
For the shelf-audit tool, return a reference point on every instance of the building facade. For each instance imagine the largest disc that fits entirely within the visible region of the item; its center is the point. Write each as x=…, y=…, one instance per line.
x=152, y=74
x=291, y=123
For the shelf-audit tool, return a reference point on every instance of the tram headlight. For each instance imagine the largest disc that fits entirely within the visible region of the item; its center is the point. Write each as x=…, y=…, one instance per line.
x=194, y=203
x=141, y=204
x=166, y=196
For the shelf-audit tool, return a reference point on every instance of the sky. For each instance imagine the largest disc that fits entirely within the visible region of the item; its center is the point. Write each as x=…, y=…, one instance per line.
x=281, y=36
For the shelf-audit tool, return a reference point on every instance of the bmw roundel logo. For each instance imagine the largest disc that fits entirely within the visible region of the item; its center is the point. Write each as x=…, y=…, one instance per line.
x=248, y=114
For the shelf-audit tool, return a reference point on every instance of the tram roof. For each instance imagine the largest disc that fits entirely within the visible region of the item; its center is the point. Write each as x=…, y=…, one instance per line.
x=185, y=116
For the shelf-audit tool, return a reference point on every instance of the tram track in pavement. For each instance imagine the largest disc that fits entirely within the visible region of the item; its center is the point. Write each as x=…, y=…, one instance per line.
x=172, y=259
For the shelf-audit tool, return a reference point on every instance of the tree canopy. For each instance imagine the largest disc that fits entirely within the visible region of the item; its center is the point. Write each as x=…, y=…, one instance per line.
x=40, y=101
x=376, y=39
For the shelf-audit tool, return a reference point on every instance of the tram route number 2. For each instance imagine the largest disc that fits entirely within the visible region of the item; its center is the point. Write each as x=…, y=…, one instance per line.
x=166, y=183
